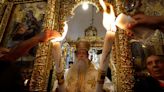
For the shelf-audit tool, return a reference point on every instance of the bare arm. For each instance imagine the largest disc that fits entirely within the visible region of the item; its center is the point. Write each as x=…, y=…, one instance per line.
x=151, y=21
x=161, y=18
x=24, y=46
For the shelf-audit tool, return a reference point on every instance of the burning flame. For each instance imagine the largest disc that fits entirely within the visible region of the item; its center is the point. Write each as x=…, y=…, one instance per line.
x=108, y=16
x=63, y=34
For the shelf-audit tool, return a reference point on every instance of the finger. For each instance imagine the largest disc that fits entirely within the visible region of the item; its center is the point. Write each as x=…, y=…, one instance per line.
x=129, y=33
x=139, y=16
x=141, y=21
x=131, y=25
x=54, y=35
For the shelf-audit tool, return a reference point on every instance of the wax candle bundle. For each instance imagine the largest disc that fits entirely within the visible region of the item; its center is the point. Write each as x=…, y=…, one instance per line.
x=123, y=20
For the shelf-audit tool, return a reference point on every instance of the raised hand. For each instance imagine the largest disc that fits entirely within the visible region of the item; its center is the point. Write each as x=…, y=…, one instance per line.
x=142, y=19
x=48, y=35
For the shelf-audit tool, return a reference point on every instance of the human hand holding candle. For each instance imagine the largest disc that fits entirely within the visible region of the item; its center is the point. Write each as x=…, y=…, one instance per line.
x=122, y=21
x=57, y=48
x=56, y=51
x=63, y=34
x=108, y=23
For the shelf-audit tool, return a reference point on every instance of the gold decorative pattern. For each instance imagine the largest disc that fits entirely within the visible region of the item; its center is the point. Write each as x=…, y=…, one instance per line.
x=2, y=6
x=152, y=7
x=39, y=79
x=123, y=72
x=43, y=62
x=92, y=82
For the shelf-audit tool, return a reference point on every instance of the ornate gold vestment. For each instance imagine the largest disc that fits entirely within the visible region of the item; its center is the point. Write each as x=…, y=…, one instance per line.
x=76, y=82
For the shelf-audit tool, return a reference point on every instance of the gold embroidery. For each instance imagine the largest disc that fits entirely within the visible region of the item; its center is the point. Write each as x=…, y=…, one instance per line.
x=92, y=82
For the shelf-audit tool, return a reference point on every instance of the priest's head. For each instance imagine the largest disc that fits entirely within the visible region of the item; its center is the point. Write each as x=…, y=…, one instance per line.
x=82, y=48
x=82, y=61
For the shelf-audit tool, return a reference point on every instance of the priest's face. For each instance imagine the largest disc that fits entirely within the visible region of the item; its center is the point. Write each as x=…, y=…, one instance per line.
x=82, y=55
x=82, y=61
x=155, y=66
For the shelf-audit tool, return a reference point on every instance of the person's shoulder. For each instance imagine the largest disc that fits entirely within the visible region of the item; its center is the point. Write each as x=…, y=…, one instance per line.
x=4, y=63
x=147, y=79
x=148, y=84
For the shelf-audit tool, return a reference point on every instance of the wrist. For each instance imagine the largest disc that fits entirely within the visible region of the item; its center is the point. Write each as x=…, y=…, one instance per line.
x=101, y=76
x=60, y=77
x=158, y=19
x=161, y=19
x=35, y=39
x=38, y=38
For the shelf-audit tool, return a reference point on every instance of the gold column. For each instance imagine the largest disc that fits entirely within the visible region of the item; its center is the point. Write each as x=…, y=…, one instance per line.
x=43, y=62
x=5, y=18
x=123, y=73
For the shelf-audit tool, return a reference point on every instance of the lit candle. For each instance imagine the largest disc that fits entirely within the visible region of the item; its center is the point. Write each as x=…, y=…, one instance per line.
x=57, y=49
x=108, y=23
x=108, y=41
x=63, y=34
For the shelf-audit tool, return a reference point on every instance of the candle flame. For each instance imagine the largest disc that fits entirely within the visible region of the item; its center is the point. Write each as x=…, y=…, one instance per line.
x=102, y=3
x=63, y=34
x=108, y=16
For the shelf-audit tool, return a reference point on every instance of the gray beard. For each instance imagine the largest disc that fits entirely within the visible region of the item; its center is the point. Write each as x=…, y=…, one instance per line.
x=82, y=67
